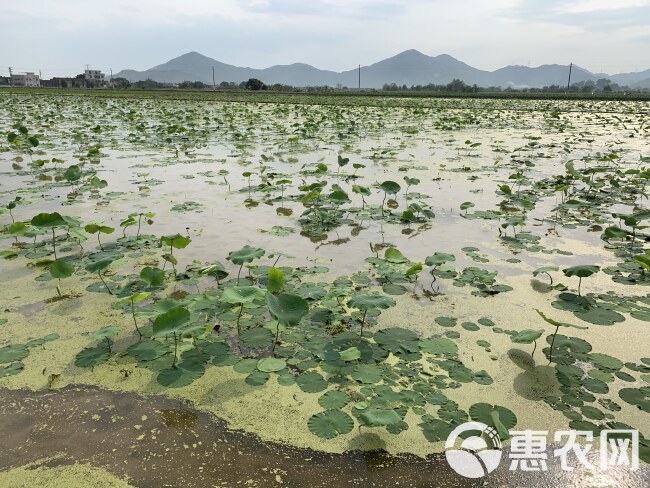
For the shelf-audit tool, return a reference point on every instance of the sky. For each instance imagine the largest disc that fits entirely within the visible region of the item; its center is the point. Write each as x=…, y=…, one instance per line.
x=59, y=37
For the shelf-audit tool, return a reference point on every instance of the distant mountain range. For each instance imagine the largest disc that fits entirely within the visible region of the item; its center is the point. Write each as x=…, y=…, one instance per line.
x=407, y=68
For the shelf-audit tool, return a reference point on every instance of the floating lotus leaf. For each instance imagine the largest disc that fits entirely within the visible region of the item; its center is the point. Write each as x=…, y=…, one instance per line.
x=471, y=326
x=257, y=337
x=311, y=382
x=376, y=417
x=436, y=430
x=329, y=424
x=397, y=340
x=446, y=321
x=147, y=351
x=11, y=369
x=100, y=265
x=439, y=346
x=367, y=373
x=237, y=295
x=350, y=354
x=271, y=365
x=501, y=418
x=246, y=366
x=257, y=378
x=640, y=397
x=104, y=332
x=605, y=362
x=181, y=375
x=9, y=354
x=600, y=316
x=393, y=255
x=93, y=356
x=334, y=400
x=394, y=289
x=482, y=378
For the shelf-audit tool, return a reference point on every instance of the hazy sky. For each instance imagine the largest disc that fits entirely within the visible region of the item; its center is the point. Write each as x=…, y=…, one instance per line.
x=60, y=36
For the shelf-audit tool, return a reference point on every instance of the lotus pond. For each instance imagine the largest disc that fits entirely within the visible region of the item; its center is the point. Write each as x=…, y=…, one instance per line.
x=332, y=277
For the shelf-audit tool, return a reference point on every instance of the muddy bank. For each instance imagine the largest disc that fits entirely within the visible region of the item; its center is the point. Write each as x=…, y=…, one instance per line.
x=156, y=442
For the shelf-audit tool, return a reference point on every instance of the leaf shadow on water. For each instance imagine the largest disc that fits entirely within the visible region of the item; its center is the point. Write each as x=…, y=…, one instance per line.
x=536, y=382
x=540, y=286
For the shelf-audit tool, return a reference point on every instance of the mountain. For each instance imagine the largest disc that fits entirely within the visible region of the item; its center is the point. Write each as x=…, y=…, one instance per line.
x=407, y=68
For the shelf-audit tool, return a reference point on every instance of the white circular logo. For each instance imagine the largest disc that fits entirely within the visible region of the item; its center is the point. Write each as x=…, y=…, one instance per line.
x=478, y=454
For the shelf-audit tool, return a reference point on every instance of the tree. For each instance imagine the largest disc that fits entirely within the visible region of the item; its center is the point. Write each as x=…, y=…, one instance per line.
x=254, y=84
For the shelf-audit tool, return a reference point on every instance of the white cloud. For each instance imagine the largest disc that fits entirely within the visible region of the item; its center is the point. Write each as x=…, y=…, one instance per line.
x=587, y=6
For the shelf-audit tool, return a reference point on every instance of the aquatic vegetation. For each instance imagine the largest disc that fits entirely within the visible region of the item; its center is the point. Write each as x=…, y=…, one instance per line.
x=458, y=201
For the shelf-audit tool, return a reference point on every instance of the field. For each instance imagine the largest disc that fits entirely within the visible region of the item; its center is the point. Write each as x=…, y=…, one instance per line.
x=330, y=284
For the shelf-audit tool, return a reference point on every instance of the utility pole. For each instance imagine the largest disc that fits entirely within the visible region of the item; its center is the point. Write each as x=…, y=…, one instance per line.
x=359, y=77
x=568, y=85
x=214, y=83
x=11, y=77
x=111, y=69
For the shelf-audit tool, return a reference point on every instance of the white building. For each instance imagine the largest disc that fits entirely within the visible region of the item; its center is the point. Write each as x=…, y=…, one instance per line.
x=28, y=79
x=94, y=76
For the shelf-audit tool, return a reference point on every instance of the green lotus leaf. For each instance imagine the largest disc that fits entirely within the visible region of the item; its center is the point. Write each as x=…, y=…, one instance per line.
x=311, y=382
x=171, y=321
x=245, y=255
x=393, y=255
x=152, y=276
x=438, y=258
x=367, y=302
x=334, y=400
x=439, y=346
x=397, y=340
x=93, y=356
x=9, y=354
x=237, y=295
x=104, y=332
x=53, y=219
x=376, y=417
x=390, y=187
x=257, y=378
x=527, y=336
x=605, y=362
x=501, y=418
x=60, y=269
x=329, y=424
x=271, y=365
x=181, y=375
x=367, y=373
x=100, y=265
x=94, y=229
x=176, y=241
x=581, y=271
x=257, y=338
